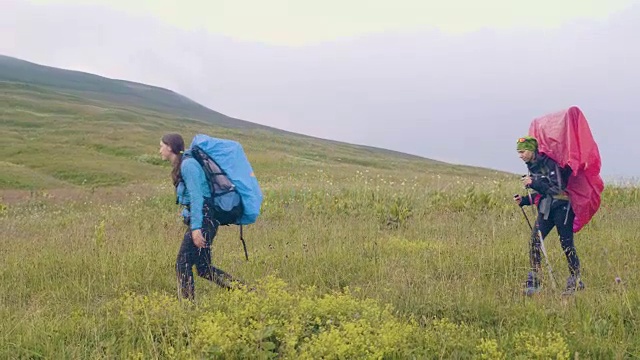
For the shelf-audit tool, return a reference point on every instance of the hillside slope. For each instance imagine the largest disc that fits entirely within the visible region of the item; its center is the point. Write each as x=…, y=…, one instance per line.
x=63, y=128
x=117, y=91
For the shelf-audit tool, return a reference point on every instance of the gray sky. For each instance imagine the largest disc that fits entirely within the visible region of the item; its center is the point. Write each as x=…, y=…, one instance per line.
x=453, y=83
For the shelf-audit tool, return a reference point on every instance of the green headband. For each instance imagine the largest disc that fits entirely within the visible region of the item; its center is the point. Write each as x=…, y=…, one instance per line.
x=527, y=143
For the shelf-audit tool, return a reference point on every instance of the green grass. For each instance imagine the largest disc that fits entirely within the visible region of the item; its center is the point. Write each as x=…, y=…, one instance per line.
x=357, y=252
x=67, y=264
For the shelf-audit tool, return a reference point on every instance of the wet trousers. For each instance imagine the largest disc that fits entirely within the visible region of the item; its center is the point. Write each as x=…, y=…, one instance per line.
x=561, y=216
x=189, y=256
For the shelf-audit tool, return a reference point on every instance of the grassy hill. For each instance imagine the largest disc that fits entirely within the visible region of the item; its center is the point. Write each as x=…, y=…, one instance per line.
x=358, y=252
x=68, y=128
x=68, y=85
x=99, y=88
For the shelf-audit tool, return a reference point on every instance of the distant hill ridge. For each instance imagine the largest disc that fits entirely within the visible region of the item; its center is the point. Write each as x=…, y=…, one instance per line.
x=91, y=86
x=120, y=91
x=63, y=128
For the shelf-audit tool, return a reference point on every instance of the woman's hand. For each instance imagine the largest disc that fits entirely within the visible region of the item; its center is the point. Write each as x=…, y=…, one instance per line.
x=517, y=198
x=198, y=239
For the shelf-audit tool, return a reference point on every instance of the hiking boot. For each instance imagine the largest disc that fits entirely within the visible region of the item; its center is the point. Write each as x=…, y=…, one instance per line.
x=228, y=282
x=532, y=285
x=573, y=284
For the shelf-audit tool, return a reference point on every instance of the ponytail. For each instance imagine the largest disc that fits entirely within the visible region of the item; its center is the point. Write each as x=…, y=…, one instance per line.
x=176, y=143
x=176, y=177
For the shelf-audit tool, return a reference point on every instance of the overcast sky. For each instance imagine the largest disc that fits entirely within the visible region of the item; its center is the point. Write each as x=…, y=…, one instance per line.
x=456, y=82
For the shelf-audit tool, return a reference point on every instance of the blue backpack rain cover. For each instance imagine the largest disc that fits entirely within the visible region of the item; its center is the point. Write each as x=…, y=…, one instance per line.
x=233, y=162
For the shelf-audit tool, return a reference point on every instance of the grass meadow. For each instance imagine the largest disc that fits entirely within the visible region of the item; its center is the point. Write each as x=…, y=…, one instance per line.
x=358, y=253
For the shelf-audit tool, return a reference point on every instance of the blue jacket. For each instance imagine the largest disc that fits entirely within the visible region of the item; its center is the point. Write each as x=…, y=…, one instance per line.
x=192, y=190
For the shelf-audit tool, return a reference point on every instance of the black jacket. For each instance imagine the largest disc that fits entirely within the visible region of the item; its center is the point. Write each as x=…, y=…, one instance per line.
x=549, y=180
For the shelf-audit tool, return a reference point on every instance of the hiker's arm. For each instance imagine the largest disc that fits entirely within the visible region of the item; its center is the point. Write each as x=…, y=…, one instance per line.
x=528, y=199
x=192, y=181
x=523, y=200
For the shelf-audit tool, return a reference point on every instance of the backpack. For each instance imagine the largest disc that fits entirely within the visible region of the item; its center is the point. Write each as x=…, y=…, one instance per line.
x=235, y=192
x=565, y=137
x=225, y=202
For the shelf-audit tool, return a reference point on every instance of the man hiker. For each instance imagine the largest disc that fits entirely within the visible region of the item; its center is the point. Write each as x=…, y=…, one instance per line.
x=548, y=182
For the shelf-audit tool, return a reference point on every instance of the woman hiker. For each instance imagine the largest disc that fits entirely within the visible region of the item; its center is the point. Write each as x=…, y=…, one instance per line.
x=192, y=190
x=549, y=182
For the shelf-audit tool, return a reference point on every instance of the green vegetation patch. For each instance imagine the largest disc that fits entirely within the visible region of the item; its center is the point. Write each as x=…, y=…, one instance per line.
x=14, y=176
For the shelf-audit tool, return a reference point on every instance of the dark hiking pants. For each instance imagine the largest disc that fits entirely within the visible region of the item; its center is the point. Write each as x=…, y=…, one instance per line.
x=189, y=255
x=561, y=216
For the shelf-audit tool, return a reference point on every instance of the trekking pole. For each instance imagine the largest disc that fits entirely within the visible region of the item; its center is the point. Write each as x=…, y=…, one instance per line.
x=244, y=245
x=544, y=250
x=546, y=258
x=527, y=218
x=542, y=247
x=524, y=213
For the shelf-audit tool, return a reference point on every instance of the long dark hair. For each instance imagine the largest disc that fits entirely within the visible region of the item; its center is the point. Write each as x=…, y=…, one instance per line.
x=176, y=143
